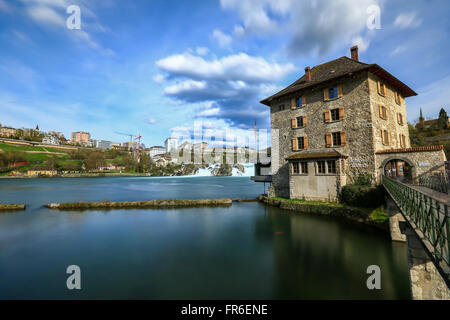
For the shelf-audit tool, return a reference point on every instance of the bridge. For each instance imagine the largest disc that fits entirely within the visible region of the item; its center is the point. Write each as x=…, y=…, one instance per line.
x=419, y=216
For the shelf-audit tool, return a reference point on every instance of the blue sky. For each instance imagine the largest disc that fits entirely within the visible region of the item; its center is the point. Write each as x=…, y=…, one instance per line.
x=155, y=67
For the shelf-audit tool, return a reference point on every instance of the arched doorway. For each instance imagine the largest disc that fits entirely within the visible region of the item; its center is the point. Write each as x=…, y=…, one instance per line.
x=398, y=169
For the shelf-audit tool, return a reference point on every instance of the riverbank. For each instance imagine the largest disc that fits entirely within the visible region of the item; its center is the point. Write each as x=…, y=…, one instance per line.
x=12, y=207
x=141, y=204
x=375, y=217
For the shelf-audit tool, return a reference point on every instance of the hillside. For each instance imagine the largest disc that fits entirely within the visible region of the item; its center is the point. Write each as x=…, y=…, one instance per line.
x=432, y=135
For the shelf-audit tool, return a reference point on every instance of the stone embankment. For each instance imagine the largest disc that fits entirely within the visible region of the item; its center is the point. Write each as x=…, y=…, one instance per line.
x=8, y=207
x=176, y=203
x=324, y=209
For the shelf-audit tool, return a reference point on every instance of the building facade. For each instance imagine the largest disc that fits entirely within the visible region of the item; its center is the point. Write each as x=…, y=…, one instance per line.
x=339, y=120
x=157, y=150
x=80, y=137
x=171, y=144
x=51, y=139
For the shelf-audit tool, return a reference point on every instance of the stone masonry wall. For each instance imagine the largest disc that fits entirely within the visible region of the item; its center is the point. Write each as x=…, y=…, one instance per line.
x=357, y=125
x=391, y=123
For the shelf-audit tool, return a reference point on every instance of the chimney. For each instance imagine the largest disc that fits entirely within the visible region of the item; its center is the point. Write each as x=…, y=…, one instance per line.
x=308, y=74
x=354, y=51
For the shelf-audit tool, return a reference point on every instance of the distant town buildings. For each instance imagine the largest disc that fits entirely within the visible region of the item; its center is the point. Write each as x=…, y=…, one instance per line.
x=80, y=137
x=104, y=144
x=51, y=139
x=171, y=144
x=157, y=150
x=7, y=132
x=131, y=145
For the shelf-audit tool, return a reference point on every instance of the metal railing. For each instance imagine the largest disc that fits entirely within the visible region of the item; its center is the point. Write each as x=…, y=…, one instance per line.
x=437, y=181
x=428, y=216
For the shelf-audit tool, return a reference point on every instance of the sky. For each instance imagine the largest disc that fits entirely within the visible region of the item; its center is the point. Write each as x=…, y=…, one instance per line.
x=156, y=67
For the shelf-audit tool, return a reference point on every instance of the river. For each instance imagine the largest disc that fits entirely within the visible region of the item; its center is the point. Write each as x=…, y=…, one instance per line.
x=246, y=251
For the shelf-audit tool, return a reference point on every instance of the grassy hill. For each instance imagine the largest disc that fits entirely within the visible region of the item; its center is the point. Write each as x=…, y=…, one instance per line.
x=432, y=135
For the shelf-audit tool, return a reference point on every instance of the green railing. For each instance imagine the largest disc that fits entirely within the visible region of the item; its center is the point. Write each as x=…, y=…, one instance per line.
x=428, y=216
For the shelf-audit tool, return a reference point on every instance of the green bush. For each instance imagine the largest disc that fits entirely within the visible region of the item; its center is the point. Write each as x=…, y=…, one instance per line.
x=363, y=196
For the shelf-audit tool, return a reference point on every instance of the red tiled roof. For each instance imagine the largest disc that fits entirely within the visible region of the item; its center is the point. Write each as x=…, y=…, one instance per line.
x=413, y=149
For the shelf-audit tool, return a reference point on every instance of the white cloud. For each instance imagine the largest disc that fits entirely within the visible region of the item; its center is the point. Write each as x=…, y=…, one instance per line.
x=233, y=67
x=185, y=86
x=159, y=78
x=53, y=13
x=223, y=39
x=45, y=15
x=238, y=31
x=202, y=51
x=407, y=20
x=310, y=25
x=362, y=43
x=398, y=50
x=150, y=120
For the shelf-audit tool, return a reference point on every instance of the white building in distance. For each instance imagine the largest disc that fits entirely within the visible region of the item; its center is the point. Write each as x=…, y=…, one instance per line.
x=171, y=143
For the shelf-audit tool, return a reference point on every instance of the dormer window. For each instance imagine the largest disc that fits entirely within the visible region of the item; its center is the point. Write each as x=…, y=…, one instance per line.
x=332, y=92
x=298, y=102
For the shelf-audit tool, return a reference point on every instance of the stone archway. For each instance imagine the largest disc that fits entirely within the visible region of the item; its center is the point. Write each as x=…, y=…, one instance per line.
x=398, y=168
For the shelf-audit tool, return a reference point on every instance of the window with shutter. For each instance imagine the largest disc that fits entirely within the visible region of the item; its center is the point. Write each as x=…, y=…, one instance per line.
x=326, y=116
x=305, y=143
x=341, y=113
x=382, y=137
x=340, y=91
x=303, y=101
x=304, y=121
x=328, y=140
x=343, y=139
x=294, y=144
x=300, y=123
x=293, y=103
x=326, y=95
x=301, y=143
x=293, y=123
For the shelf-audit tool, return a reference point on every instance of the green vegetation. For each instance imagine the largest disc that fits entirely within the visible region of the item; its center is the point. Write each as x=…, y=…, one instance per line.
x=11, y=207
x=176, y=203
x=435, y=133
x=361, y=193
x=373, y=216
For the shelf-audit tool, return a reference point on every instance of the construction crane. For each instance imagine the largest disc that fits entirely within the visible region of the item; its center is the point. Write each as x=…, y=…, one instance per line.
x=126, y=134
x=138, y=137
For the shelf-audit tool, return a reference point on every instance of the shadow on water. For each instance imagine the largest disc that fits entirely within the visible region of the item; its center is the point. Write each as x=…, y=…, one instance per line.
x=246, y=251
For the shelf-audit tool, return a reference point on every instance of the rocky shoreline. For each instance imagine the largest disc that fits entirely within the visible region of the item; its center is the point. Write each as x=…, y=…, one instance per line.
x=175, y=203
x=326, y=209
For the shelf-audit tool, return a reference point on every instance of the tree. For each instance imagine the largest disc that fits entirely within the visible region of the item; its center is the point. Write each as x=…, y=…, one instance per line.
x=443, y=119
x=95, y=160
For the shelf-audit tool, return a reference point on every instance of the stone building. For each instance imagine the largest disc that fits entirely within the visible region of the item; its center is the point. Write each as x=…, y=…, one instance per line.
x=341, y=119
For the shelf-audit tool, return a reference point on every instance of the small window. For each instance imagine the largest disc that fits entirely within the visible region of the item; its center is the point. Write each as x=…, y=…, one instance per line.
x=398, y=99
x=282, y=107
x=304, y=167
x=300, y=122
x=400, y=119
x=331, y=166
x=383, y=112
x=299, y=102
x=381, y=88
x=385, y=137
x=333, y=93
x=295, y=168
x=321, y=167
x=335, y=115
x=337, y=141
x=301, y=143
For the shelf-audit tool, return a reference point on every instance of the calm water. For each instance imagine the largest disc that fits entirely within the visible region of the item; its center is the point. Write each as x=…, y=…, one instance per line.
x=208, y=253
